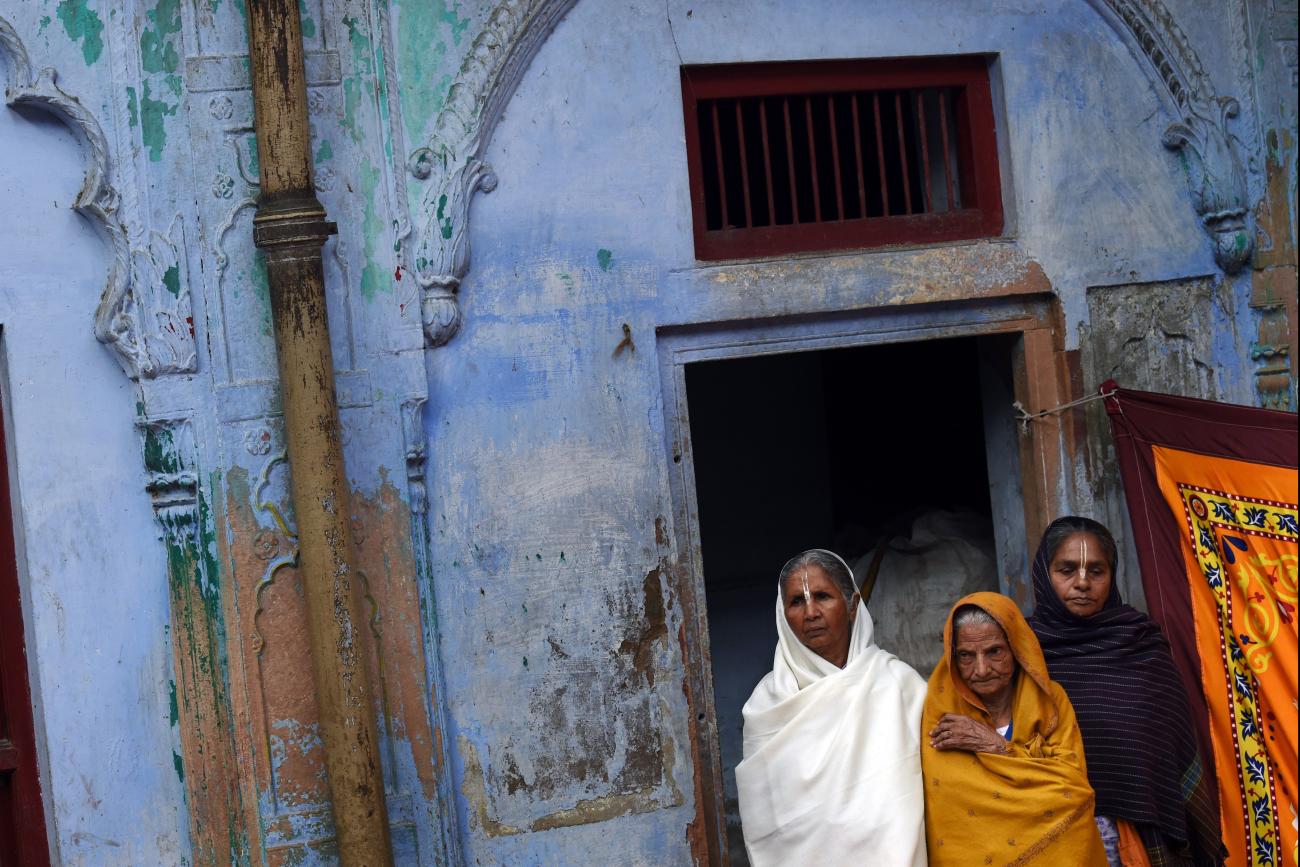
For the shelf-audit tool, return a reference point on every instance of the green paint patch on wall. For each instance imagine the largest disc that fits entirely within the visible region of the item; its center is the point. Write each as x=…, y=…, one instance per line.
x=172, y=280
x=254, y=164
x=157, y=43
x=353, y=84
x=153, y=130
x=351, y=102
x=324, y=152
x=360, y=80
x=444, y=222
x=308, y=25
x=422, y=34
x=179, y=765
x=83, y=24
x=604, y=258
x=160, y=451
x=45, y=22
x=133, y=106
x=256, y=278
x=374, y=277
x=175, y=714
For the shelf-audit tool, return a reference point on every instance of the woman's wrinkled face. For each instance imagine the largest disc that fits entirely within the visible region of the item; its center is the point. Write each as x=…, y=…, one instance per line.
x=1080, y=574
x=820, y=618
x=985, y=661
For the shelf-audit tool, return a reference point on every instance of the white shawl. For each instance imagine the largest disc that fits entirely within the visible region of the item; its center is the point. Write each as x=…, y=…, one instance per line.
x=832, y=767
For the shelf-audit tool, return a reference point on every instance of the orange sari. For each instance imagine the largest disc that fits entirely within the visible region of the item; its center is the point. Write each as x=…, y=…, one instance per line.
x=1030, y=805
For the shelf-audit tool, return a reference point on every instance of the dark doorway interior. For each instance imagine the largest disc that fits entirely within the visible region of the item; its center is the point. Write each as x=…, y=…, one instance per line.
x=837, y=449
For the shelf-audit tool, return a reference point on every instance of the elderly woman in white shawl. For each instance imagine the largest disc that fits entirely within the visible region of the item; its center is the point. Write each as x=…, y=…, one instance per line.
x=832, y=769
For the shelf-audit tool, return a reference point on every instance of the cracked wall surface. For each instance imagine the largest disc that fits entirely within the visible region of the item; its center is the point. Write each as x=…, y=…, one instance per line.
x=530, y=597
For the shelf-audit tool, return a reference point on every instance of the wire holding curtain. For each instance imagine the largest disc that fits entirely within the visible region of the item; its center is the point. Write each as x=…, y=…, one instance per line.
x=1026, y=417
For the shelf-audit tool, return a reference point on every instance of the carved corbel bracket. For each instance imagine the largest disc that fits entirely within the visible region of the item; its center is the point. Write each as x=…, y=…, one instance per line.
x=150, y=331
x=413, y=440
x=1216, y=178
x=172, y=483
x=1209, y=152
x=451, y=164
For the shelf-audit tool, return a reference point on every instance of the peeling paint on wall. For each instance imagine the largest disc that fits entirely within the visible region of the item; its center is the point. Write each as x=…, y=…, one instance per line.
x=83, y=24
x=423, y=31
x=551, y=585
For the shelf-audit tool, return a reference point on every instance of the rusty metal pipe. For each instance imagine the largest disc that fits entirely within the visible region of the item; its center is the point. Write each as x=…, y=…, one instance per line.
x=290, y=228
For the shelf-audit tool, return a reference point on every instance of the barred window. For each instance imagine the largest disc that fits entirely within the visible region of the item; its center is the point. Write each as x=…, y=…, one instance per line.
x=823, y=155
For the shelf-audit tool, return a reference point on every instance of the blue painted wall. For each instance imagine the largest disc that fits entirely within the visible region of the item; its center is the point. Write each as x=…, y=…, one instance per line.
x=590, y=229
x=547, y=589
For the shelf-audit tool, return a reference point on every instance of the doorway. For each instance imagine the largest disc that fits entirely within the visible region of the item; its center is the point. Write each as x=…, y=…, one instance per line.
x=861, y=450
x=887, y=436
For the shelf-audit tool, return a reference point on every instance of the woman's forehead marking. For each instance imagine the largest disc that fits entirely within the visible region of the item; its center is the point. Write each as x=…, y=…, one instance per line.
x=1065, y=556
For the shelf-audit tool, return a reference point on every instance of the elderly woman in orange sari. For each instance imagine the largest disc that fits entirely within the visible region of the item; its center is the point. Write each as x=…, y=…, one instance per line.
x=1005, y=778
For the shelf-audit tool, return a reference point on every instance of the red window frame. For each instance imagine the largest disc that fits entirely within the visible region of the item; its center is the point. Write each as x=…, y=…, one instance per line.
x=981, y=213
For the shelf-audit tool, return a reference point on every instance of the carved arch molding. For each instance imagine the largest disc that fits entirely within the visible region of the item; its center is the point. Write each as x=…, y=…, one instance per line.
x=453, y=169
x=144, y=312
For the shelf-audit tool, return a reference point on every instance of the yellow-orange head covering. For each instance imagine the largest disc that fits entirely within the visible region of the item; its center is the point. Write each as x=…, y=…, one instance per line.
x=1029, y=805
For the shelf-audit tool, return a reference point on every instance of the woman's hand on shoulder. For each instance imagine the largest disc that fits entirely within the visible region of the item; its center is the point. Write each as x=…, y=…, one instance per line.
x=958, y=732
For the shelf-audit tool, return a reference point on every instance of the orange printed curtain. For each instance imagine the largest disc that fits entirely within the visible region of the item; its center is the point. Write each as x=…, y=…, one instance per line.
x=1211, y=490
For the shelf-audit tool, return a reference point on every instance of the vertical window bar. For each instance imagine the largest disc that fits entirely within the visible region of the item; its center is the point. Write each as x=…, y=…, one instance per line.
x=744, y=166
x=925, y=149
x=947, y=155
x=722, y=171
x=902, y=150
x=812, y=161
x=835, y=158
x=880, y=157
x=767, y=161
x=789, y=159
x=857, y=154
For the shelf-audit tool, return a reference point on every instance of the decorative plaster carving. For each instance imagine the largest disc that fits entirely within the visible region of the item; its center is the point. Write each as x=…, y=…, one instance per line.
x=1271, y=352
x=452, y=162
x=233, y=138
x=172, y=483
x=223, y=186
x=134, y=317
x=219, y=256
x=221, y=107
x=257, y=440
x=394, y=175
x=1209, y=152
x=268, y=540
x=171, y=340
x=413, y=439
x=412, y=412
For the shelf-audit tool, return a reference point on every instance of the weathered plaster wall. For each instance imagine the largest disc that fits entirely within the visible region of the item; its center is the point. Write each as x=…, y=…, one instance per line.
x=92, y=569
x=513, y=510
x=558, y=616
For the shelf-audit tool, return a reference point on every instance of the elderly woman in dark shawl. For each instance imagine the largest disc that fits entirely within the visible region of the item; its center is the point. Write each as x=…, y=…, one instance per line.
x=1154, y=806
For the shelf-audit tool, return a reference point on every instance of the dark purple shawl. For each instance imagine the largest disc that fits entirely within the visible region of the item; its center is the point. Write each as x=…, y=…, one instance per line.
x=1133, y=713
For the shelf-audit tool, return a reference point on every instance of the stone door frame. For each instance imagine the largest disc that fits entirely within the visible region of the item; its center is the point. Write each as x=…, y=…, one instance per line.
x=1039, y=382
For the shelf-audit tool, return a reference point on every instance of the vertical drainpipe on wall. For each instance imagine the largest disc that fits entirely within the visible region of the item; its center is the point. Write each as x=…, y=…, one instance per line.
x=290, y=228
